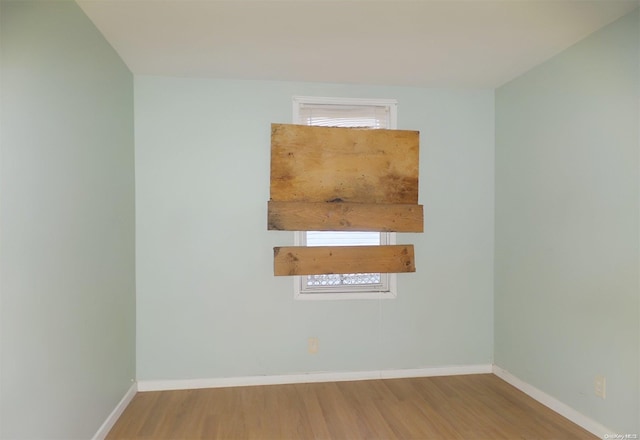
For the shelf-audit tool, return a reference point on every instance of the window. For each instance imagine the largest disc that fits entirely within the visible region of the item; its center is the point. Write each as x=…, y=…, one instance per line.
x=339, y=112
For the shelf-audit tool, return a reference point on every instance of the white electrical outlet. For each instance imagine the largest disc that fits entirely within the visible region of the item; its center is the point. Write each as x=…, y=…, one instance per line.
x=600, y=386
x=313, y=345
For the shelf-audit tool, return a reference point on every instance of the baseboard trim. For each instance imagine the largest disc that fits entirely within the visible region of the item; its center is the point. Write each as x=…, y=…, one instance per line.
x=116, y=413
x=186, y=384
x=551, y=402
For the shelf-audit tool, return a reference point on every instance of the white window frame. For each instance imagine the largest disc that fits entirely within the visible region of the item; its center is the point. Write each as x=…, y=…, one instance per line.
x=342, y=292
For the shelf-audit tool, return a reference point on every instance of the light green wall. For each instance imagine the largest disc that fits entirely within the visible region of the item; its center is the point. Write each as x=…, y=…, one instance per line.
x=567, y=203
x=66, y=224
x=208, y=303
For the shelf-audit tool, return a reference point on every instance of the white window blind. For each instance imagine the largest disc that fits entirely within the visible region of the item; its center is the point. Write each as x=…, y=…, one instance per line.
x=327, y=115
x=342, y=238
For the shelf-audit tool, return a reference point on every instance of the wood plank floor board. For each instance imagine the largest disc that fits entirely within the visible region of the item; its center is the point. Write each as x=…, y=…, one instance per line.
x=471, y=407
x=341, y=418
x=311, y=406
x=364, y=397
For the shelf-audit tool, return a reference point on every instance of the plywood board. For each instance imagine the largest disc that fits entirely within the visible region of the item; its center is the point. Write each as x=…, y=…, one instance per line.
x=301, y=260
x=327, y=164
x=307, y=216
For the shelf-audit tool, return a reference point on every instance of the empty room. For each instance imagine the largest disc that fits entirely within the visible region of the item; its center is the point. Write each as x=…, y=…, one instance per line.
x=319, y=219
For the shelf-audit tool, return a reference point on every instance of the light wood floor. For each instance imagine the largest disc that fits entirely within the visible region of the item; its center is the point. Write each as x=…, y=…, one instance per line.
x=474, y=407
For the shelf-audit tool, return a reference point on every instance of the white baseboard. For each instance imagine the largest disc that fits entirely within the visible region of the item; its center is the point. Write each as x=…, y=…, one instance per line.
x=451, y=370
x=185, y=384
x=551, y=402
x=116, y=413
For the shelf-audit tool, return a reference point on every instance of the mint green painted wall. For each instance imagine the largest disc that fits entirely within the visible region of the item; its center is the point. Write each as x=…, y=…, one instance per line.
x=208, y=304
x=567, y=203
x=66, y=224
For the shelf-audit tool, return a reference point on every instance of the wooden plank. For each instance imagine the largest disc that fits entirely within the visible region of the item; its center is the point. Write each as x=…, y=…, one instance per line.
x=301, y=260
x=308, y=216
x=328, y=164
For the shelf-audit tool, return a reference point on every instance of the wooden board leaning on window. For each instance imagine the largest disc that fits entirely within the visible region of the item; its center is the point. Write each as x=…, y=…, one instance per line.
x=308, y=216
x=344, y=179
x=331, y=164
x=302, y=260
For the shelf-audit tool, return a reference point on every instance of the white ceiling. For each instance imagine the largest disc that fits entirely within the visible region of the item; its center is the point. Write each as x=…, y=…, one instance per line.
x=446, y=43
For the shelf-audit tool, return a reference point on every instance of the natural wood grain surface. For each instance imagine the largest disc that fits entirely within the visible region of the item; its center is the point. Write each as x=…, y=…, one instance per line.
x=334, y=178
x=325, y=164
x=307, y=216
x=302, y=260
x=474, y=407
